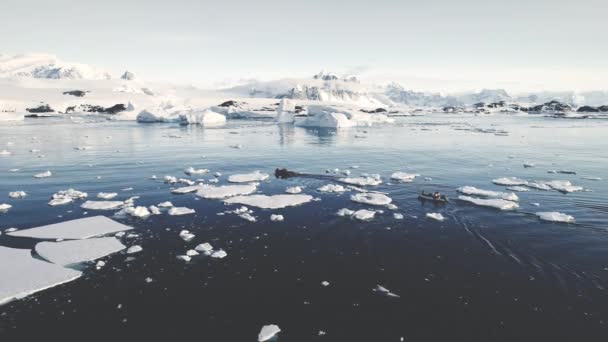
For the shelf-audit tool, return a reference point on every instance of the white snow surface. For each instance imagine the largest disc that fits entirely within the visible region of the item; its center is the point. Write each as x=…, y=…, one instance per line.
x=66, y=253
x=270, y=202
x=82, y=228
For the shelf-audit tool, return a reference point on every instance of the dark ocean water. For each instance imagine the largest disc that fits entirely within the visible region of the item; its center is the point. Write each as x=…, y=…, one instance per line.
x=480, y=275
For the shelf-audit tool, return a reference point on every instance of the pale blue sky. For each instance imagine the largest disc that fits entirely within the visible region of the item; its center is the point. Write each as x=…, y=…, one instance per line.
x=464, y=43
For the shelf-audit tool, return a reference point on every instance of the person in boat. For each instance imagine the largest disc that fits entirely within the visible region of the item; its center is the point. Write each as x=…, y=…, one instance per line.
x=436, y=195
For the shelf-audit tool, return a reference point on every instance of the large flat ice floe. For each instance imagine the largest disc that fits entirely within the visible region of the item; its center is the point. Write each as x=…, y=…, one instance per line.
x=554, y=216
x=187, y=189
x=361, y=181
x=75, y=229
x=225, y=191
x=205, y=117
x=471, y=190
x=67, y=253
x=102, y=205
x=563, y=186
x=333, y=117
x=22, y=275
x=497, y=203
x=371, y=198
x=270, y=202
x=509, y=181
x=255, y=176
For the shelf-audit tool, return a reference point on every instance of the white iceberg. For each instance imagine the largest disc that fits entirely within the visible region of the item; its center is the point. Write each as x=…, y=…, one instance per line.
x=159, y=115
x=555, y=216
x=219, y=192
x=192, y=171
x=102, y=205
x=286, y=112
x=107, y=195
x=471, y=190
x=268, y=332
x=5, y=206
x=83, y=228
x=219, y=254
x=563, y=186
x=293, y=190
x=255, y=176
x=361, y=181
x=332, y=117
x=509, y=181
x=205, y=117
x=270, y=202
x=404, y=177
x=177, y=211
x=497, y=203
x=332, y=188
x=134, y=249
x=67, y=253
x=276, y=218
x=364, y=215
x=17, y=194
x=371, y=198
x=435, y=216
x=204, y=248
x=43, y=174
x=345, y=212
x=23, y=275
x=186, y=235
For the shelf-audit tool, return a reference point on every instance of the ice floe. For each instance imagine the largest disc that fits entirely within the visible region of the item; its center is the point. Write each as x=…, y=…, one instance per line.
x=23, y=275
x=43, y=174
x=509, y=181
x=332, y=117
x=82, y=228
x=293, y=190
x=102, y=205
x=404, y=177
x=177, y=211
x=497, y=203
x=187, y=189
x=371, y=198
x=107, y=195
x=135, y=212
x=186, y=235
x=219, y=254
x=398, y=216
x=166, y=204
x=204, y=248
x=185, y=258
x=332, y=188
x=518, y=188
x=267, y=332
x=435, y=216
x=17, y=194
x=66, y=253
x=270, y=202
x=134, y=249
x=275, y=218
x=205, y=117
x=361, y=181
x=555, y=216
x=471, y=190
x=225, y=191
x=5, y=206
x=563, y=186
x=384, y=291
x=67, y=196
x=255, y=176
x=192, y=171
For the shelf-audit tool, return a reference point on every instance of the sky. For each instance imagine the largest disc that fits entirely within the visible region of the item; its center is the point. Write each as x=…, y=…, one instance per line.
x=433, y=45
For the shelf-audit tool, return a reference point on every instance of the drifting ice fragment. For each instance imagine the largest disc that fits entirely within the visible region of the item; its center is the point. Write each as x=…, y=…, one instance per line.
x=219, y=192
x=404, y=177
x=17, y=194
x=255, y=176
x=270, y=202
x=43, y=175
x=102, y=205
x=83, y=228
x=186, y=235
x=66, y=253
x=219, y=254
x=364, y=215
x=187, y=189
x=371, y=198
x=508, y=181
x=185, y=258
x=134, y=249
x=495, y=202
x=176, y=211
x=518, y=188
x=107, y=195
x=435, y=216
x=398, y=216
x=564, y=186
x=192, y=171
x=471, y=190
x=268, y=332
x=361, y=181
x=274, y=217
x=332, y=188
x=383, y=290
x=293, y=190
x=165, y=205
x=555, y=216
x=204, y=247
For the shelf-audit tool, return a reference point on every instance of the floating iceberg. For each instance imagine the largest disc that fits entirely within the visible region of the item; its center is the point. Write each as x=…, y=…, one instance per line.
x=293, y=190
x=268, y=332
x=286, y=111
x=204, y=248
x=255, y=176
x=5, y=207
x=23, y=275
x=564, y=186
x=187, y=189
x=134, y=249
x=160, y=115
x=43, y=174
x=67, y=196
x=364, y=215
x=270, y=202
x=371, y=198
x=177, y=211
x=509, y=181
x=107, y=195
x=17, y=194
x=361, y=181
x=67, y=253
x=192, y=171
x=102, y=205
x=555, y=216
x=332, y=117
x=75, y=229
x=205, y=117
x=383, y=290
x=225, y=191
x=435, y=216
x=186, y=235
x=219, y=254
x=276, y=218
x=404, y=177
x=332, y=188
x=471, y=190
x=497, y=203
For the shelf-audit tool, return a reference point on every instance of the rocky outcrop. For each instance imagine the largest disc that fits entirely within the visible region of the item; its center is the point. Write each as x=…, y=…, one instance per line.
x=128, y=76
x=551, y=107
x=86, y=108
x=45, y=108
x=77, y=93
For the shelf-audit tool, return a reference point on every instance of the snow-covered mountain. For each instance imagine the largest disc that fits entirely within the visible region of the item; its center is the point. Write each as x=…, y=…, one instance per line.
x=47, y=66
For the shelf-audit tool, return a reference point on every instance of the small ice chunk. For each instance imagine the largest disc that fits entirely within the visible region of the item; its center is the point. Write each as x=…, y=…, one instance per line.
x=191, y=253
x=384, y=291
x=17, y=194
x=538, y=185
x=555, y=216
x=293, y=190
x=332, y=188
x=497, y=203
x=43, y=174
x=274, y=217
x=508, y=181
x=67, y=253
x=185, y=258
x=471, y=190
x=154, y=210
x=518, y=188
x=325, y=283
x=170, y=179
x=220, y=192
x=134, y=249
x=23, y=275
x=564, y=186
x=187, y=189
x=364, y=215
x=371, y=198
x=204, y=248
x=255, y=176
x=107, y=195
x=176, y=211
x=361, y=181
x=83, y=228
x=102, y=205
x=404, y=177
x=5, y=207
x=345, y=212
x=219, y=254
x=435, y=216
x=268, y=332
x=270, y=202
x=137, y=211
x=186, y=235
x=100, y=264
x=248, y=217
x=192, y=171
x=165, y=205
x=398, y=216
x=593, y=178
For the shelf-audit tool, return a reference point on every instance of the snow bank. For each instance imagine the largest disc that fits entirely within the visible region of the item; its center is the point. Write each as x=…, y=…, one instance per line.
x=555, y=216
x=471, y=190
x=22, y=275
x=270, y=202
x=67, y=253
x=206, y=117
x=75, y=229
x=494, y=203
x=255, y=176
x=225, y=191
x=371, y=198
